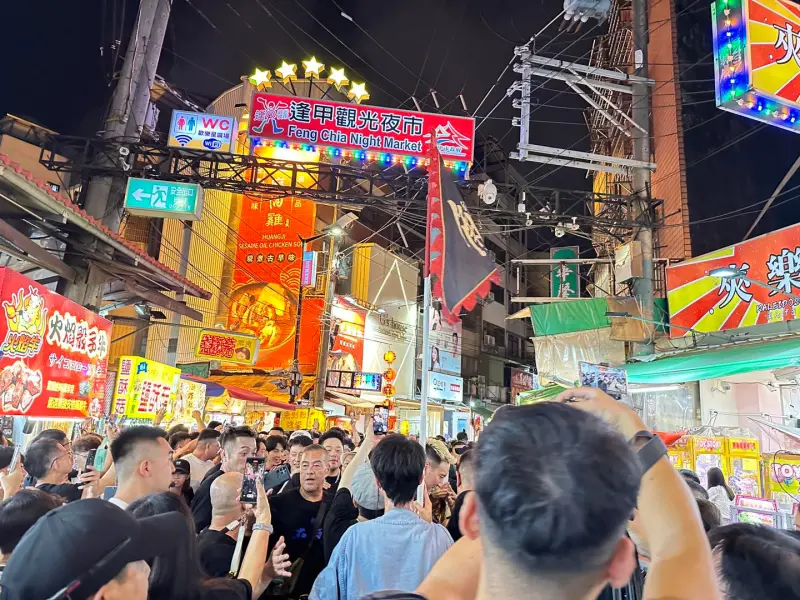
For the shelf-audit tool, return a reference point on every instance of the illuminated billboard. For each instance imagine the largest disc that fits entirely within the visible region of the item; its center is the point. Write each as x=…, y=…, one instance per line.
x=757, y=59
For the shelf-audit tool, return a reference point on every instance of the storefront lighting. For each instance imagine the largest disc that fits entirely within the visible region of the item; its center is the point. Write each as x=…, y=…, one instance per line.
x=655, y=388
x=287, y=72
x=312, y=67
x=733, y=273
x=338, y=78
x=381, y=311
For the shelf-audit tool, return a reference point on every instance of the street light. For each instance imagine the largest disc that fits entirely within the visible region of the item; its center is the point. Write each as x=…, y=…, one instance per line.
x=734, y=273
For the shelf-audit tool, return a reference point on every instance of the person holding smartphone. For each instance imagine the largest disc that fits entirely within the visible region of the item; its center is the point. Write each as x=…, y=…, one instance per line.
x=51, y=464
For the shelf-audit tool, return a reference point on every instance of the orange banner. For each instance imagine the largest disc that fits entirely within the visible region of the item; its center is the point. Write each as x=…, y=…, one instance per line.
x=266, y=281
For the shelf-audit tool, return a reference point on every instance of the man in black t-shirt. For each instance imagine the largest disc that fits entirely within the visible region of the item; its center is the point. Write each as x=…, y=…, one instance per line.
x=466, y=483
x=238, y=444
x=297, y=517
x=333, y=442
x=216, y=543
x=51, y=464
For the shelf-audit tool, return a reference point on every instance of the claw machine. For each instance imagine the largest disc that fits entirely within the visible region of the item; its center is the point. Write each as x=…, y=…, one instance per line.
x=708, y=452
x=743, y=466
x=782, y=477
x=680, y=453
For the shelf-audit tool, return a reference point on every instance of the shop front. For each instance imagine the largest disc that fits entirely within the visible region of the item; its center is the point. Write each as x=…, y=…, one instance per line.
x=53, y=358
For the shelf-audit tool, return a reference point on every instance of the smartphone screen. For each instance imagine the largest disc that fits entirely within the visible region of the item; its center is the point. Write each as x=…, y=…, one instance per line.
x=90, y=456
x=380, y=420
x=277, y=476
x=253, y=471
x=14, y=458
x=109, y=492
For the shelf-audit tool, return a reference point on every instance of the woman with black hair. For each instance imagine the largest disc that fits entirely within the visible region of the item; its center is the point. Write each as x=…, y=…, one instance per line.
x=720, y=494
x=179, y=576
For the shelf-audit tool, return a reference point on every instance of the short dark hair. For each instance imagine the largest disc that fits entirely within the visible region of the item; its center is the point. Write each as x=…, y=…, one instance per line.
x=20, y=512
x=555, y=487
x=698, y=491
x=462, y=436
x=273, y=441
x=398, y=464
x=466, y=463
x=177, y=429
x=176, y=438
x=126, y=442
x=315, y=435
x=207, y=435
x=300, y=440
x=689, y=475
x=709, y=514
x=51, y=434
x=40, y=455
x=231, y=434
x=6, y=456
x=349, y=444
x=331, y=434
x=87, y=442
x=278, y=428
x=756, y=562
x=213, y=424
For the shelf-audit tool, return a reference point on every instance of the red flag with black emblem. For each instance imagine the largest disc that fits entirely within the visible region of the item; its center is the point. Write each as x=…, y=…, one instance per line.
x=456, y=257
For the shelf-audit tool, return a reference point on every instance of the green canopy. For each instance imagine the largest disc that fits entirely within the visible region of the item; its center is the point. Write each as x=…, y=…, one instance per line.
x=549, y=391
x=486, y=413
x=711, y=364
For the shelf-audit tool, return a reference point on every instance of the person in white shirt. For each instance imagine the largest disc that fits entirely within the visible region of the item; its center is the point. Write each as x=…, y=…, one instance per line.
x=720, y=494
x=202, y=457
x=142, y=462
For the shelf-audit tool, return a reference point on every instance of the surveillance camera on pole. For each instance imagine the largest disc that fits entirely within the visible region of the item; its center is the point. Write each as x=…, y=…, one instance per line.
x=487, y=191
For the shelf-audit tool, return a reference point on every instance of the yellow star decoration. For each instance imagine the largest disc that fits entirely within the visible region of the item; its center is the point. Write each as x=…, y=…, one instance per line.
x=287, y=72
x=312, y=67
x=260, y=78
x=338, y=78
x=358, y=92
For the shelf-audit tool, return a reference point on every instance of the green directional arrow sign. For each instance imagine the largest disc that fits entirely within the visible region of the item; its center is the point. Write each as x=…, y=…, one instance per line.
x=164, y=199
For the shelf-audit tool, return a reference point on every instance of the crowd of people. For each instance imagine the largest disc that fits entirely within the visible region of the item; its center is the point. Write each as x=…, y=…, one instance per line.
x=563, y=500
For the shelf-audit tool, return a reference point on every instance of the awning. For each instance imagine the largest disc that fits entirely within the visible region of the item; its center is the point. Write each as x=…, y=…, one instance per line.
x=722, y=362
x=483, y=412
x=216, y=388
x=547, y=392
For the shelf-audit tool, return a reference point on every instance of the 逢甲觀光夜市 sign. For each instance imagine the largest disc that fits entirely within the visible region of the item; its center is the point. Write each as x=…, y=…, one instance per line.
x=757, y=59
x=143, y=387
x=369, y=129
x=54, y=353
x=201, y=131
x=216, y=344
x=710, y=304
x=164, y=199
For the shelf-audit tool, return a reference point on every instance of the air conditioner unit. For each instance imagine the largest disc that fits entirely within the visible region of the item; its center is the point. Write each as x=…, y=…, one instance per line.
x=489, y=340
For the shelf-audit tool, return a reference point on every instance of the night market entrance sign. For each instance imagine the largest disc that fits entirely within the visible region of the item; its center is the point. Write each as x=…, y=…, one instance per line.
x=366, y=130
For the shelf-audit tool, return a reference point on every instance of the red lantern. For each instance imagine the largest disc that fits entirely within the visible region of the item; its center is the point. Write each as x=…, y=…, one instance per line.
x=388, y=390
x=389, y=375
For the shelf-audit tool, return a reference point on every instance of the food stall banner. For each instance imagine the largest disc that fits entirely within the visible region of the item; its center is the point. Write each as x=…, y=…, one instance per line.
x=191, y=396
x=266, y=280
x=217, y=344
x=145, y=386
x=303, y=418
x=54, y=352
x=365, y=129
x=708, y=304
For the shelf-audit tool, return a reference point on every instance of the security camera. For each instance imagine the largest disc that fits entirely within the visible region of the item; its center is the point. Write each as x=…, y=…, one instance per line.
x=487, y=191
x=559, y=230
x=125, y=166
x=124, y=151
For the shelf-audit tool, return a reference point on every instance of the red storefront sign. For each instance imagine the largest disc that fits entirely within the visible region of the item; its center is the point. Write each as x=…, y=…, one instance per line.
x=709, y=304
x=521, y=381
x=54, y=353
x=365, y=129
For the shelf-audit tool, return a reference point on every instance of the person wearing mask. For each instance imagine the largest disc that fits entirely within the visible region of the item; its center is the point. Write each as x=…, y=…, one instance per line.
x=201, y=459
x=178, y=575
x=217, y=543
x=18, y=514
x=395, y=551
x=357, y=499
x=237, y=445
x=89, y=550
x=298, y=515
x=142, y=463
x=755, y=562
x=437, y=468
x=333, y=442
x=180, y=481
x=466, y=483
x=276, y=450
x=720, y=493
x=50, y=464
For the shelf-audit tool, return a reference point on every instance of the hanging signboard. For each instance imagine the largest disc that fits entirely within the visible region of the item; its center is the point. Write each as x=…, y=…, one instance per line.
x=445, y=388
x=347, y=336
x=354, y=381
x=564, y=279
x=611, y=380
x=144, y=387
x=163, y=199
x=54, y=352
x=522, y=381
x=201, y=131
x=756, y=59
x=218, y=344
x=445, y=338
x=364, y=129
x=709, y=304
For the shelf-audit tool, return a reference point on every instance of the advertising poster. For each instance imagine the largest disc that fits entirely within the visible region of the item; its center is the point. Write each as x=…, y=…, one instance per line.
x=347, y=336
x=370, y=129
x=54, y=353
x=303, y=418
x=144, y=387
x=784, y=477
x=445, y=388
x=445, y=343
x=201, y=131
x=522, y=381
x=216, y=344
x=710, y=304
x=612, y=381
x=266, y=280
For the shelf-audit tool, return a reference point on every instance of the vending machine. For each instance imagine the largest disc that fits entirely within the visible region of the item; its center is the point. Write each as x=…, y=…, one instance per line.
x=708, y=452
x=680, y=453
x=743, y=471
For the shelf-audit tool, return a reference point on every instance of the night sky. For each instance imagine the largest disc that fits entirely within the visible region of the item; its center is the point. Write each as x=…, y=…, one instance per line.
x=53, y=74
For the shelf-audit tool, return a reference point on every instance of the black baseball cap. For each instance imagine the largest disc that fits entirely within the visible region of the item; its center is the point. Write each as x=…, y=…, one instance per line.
x=182, y=466
x=76, y=549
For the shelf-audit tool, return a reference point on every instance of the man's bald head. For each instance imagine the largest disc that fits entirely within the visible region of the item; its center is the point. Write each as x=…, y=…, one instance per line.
x=225, y=492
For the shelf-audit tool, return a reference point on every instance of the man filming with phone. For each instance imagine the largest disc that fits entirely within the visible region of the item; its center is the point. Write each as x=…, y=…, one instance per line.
x=51, y=464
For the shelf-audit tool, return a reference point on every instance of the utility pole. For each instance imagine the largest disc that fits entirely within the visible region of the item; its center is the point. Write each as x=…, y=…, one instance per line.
x=643, y=287
x=183, y=267
x=124, y=122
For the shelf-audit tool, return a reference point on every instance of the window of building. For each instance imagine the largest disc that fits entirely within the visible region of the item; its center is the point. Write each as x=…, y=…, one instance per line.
x=499, y=293
x=470, y=320
x=516, y=346
x=493, y=335
x=499, y=253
